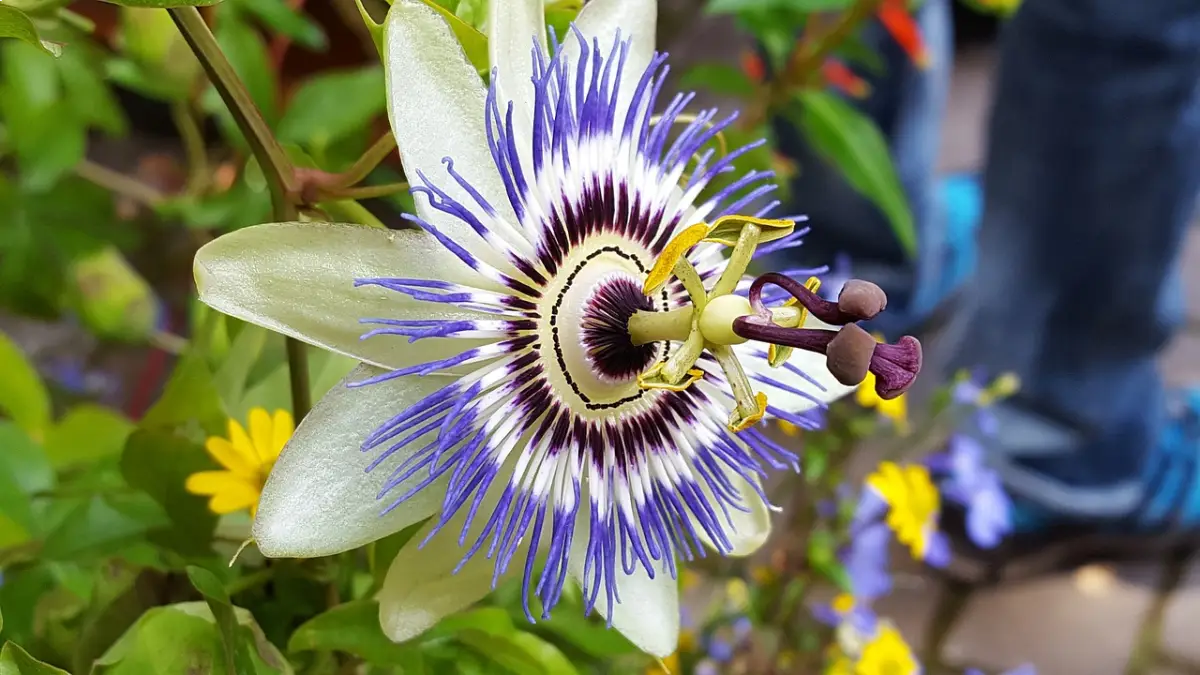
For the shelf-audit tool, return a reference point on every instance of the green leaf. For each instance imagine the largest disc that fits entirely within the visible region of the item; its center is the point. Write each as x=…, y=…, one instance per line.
x=237, y=657
x=163, y=3
x=487, y=620
x=587, y=635
x=14, y=24
x=719, y=78
x=518, y=653
x=158, y=463
x=247, y=53
x=332, y=105
x=85, y=90
x=352, y=628
x=230, y=379
x=23, y=397
x=798, y=6
x=560, y=14
x=17, y=661
x=382, y=551
x=278, y=16
x=473, y=42
x=189, y=397
x=184, y=638
x=852, y=142
x=98, y=526
x=87, y=433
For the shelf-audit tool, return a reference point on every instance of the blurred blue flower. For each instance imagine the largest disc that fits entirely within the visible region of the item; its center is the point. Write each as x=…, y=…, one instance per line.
x=866, y=562
x=742, y=627
x=707, y=667
x=1026, y=669
x=719, y=650
x=976, y=487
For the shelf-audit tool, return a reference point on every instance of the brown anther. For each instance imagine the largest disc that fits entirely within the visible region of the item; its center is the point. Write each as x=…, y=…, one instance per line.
x=849, y=353
x=861, y=299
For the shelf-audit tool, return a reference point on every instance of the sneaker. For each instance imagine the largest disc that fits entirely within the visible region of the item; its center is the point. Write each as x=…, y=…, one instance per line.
x=1043, y=540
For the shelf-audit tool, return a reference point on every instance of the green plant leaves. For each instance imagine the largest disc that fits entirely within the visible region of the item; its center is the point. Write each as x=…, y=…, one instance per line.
x=185, y=638
x=87, y=433
x=237, y=656
x=14, y=24
x=158, y=463
x=163, y=3
x=853, y=143
x=333, y=105
x=23, y=397
x=17, y=661
x=798, y=6
x=352, y=628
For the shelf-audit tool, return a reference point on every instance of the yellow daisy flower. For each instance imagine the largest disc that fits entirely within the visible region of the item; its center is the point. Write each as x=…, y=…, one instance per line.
x=247, y=458
x=886, y=654
x=913, y=503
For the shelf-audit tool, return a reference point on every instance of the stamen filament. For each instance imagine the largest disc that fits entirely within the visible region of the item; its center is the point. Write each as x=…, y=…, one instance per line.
x=739, y=260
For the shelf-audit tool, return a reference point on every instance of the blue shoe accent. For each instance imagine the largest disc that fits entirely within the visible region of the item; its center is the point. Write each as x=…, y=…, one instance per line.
x=960, y=198
x=1171, y=501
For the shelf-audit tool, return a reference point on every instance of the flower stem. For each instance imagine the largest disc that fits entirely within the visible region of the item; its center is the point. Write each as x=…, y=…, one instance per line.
x=810, y=61
x=193, y=147
x=118, y=183
x=277, y=170
x=370, y=159
x=367, y=191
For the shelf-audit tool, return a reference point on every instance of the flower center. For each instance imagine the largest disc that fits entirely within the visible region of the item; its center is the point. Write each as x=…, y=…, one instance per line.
x=605, y=329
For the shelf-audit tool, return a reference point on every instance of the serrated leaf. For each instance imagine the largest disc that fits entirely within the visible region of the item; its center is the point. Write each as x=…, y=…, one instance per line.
x=853, y=143
x=14, y=24
x=23, y=396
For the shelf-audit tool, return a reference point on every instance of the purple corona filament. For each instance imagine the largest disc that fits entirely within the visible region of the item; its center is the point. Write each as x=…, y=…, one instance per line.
x=533, y=461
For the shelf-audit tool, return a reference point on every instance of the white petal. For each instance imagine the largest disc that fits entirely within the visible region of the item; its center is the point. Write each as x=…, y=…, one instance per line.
x=648, y=611
x=319, y=500
x=436, y=108
x=298, y=279
x=827, y=389
x=513, y=28
x=750, y=529
x=636, y=20
x=420, y=587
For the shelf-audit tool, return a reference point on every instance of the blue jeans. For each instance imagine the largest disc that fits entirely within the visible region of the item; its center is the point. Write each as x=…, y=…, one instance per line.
x=1092, y=172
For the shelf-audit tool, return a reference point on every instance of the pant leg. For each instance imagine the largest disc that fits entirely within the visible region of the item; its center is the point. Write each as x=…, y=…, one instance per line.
x=1093, y=169
x=908, y=104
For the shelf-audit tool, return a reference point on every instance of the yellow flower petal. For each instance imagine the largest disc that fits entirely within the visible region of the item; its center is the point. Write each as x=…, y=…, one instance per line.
x=282, y=427
x=261, y=436
x=234, y=495
x=866, y=395
x=211, y=482
x=230, y=457
x=241, y=442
